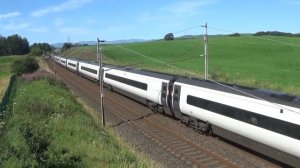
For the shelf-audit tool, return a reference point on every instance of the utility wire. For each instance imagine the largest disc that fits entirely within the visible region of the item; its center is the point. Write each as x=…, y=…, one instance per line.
x=192, y=73
x=257, y=37
x=180, y=31
x=174, y=59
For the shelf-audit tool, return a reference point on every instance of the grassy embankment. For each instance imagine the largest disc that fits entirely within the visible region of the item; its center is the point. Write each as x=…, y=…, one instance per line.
x=47, y=127
x=5, y=62
x=242, y=60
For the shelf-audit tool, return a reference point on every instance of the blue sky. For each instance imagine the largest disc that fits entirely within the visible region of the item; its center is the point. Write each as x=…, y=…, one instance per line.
x=55, y=21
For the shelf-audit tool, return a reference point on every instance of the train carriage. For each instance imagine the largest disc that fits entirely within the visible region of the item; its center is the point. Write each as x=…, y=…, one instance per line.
x=89, y=70
x=143, y=86
x=63, y=61
x=264, y=122
x=72, y=65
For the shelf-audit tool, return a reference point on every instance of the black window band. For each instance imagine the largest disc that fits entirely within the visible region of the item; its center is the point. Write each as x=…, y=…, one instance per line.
x=71, y=64
x=63, y=61
x=130, y=82
x=272, y=124
x=89, y=70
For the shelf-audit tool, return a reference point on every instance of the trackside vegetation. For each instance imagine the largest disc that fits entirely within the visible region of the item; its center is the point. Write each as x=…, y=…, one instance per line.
x=23, y=65
x=46, y=127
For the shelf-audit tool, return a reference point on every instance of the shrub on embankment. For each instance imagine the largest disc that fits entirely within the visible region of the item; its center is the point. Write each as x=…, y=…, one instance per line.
x=23, y=65
x=47, y=127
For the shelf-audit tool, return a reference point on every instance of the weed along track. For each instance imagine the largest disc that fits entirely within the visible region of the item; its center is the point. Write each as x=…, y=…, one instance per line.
x=183, y=148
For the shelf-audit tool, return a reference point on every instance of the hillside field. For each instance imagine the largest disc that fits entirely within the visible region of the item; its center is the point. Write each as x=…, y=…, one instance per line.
x=265, y=62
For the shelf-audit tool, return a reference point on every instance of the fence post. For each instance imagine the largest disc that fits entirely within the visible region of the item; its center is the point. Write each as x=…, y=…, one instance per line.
x=7, y=94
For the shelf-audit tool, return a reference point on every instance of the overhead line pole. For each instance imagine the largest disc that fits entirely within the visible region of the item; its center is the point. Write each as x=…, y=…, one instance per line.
x=100, y=58
x=205, y=52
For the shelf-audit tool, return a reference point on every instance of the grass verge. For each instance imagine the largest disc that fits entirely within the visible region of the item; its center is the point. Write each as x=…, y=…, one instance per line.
x=47, y=127
x=5, y=73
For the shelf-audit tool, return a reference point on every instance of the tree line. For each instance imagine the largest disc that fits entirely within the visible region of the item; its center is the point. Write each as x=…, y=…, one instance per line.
x=16, y=45
x=40, y=48
x=13, y=45
x=276, y=33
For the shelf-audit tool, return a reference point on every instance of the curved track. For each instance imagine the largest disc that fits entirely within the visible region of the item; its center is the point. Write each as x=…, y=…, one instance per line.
x=136, y=114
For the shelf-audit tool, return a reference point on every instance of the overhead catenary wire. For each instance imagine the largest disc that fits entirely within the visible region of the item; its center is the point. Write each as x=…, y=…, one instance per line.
x=175, y=59
x=257, y=37
x=190, y=28
x=192, y=73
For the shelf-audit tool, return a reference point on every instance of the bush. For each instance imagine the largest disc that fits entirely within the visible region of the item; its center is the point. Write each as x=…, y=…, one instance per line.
x=235, y=35
x=169, y=36
x=36, y=51
x=25, y=65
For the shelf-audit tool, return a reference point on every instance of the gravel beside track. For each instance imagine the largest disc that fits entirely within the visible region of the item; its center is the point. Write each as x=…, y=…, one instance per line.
x=166, y=141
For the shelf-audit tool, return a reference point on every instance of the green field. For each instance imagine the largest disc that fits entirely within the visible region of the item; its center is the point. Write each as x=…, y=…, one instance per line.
x=5, y=63
x=270, y=62
x=47, y=127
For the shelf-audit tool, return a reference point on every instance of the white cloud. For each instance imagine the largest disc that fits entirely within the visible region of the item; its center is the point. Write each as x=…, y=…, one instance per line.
x=39, y=30
x=179, y=10
x=18, y=26
x=9, y=15
x=74, y=30
x=187, y=7
x=90, y=21
x=59, y=22
x=69, y=5
x=116, y=29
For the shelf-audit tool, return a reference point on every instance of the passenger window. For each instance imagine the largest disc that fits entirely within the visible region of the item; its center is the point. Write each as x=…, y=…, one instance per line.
x=176, y=91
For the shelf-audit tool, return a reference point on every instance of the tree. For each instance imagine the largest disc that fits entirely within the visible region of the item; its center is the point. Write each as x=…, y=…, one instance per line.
x=24, y=48
x=38, y=49
x=2, y=45
x=274, y=33
x=169, y=36
x=67, y=46
x=16, y=45
x=235, y=35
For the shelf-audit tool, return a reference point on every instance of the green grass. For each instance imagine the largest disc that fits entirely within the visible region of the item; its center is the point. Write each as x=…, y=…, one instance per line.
x=244, y=60
x=47, y=127
x=5, y=62
x=5, y=66
x=83, y=53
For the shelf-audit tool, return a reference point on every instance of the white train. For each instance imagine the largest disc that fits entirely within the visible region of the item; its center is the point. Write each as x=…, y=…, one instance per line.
x=263, y=121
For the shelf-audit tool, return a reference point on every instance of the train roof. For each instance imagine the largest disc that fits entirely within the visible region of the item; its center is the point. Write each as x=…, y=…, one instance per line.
x=142, y=72
x=272, y=96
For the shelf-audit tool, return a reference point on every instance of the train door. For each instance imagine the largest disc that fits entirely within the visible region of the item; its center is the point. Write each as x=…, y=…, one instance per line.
x=77, y=68
x=176, y=101
x=166, y=97
x=164, y=94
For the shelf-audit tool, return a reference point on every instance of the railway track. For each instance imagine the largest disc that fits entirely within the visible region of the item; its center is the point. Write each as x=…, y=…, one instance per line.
x=181, y=147
x=178, y=145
